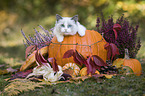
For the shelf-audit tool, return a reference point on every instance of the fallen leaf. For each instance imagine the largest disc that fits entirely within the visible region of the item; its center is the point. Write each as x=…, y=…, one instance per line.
x=108, y=76
x=97, y=76
x=122, y=77
x=3, y=72
x=80, y=78
x=21, y=74
x=10, y=69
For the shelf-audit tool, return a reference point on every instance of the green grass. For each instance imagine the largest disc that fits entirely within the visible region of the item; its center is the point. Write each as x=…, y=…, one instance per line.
x=130, y=85
x=122, y=85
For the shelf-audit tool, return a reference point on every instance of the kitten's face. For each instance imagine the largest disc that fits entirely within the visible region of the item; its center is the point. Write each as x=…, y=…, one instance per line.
x=66, y=25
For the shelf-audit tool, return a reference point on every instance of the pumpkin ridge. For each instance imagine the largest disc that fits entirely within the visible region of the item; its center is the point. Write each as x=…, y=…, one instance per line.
x=78, y=44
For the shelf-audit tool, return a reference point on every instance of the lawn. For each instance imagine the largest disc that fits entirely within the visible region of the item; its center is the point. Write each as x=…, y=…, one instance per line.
x=122, y=85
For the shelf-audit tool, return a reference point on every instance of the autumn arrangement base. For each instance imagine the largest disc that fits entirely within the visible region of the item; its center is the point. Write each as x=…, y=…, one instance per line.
x=42, y=64
x=93, y=55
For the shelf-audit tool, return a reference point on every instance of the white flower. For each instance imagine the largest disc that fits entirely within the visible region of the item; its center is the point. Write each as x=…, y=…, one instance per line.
x=47, y=72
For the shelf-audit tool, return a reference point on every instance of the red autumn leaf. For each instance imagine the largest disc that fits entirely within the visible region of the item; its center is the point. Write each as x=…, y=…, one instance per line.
x=112, y=50
x=21, y=74
x=54, y=64
x=68, y=53
x=39, y=58
x=98, y=61
x=28, y=49
x=98, y=67
x=116, y=27
x=90, y=66
x=109, y=50
x=79, y=58
x=115, y=50
x=76, y=61
x=115, y=33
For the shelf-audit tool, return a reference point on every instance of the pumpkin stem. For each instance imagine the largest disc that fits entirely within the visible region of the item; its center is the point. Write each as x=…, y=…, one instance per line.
x=126, y=54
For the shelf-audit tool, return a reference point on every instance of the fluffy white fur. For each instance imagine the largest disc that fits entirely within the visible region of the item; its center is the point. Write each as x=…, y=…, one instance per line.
x=67, y=26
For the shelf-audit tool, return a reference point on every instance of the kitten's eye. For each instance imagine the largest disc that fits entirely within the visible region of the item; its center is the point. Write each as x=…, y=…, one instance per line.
x=62, y=25
x=69, y=26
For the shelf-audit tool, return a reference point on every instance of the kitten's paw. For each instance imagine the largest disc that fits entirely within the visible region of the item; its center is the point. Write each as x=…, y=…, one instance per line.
x=60, y=38
x=82, y=33
x=81, y=29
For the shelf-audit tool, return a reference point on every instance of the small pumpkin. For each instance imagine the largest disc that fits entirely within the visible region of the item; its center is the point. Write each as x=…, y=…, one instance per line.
x=71, y=69
x=90, y=44
x=125, y=70
x=83, y=71
x=134, y=64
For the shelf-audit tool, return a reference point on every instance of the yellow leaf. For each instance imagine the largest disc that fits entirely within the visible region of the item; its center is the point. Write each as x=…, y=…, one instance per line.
x=3, y=72
x=108, y=76
x=80, y=78
x=97, y=72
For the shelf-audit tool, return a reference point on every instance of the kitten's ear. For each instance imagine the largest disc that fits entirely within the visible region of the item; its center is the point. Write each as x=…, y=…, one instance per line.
x=58, y=17
x=75, y=18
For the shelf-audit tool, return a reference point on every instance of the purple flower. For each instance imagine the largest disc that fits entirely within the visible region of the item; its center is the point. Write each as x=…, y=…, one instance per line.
x=126, y=37
x=39, y=40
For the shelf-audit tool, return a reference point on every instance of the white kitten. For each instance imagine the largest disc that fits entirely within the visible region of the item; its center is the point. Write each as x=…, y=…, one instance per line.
x=67, y=26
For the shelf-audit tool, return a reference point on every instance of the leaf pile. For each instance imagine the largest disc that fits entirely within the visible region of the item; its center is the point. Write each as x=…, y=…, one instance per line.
x=92, y=62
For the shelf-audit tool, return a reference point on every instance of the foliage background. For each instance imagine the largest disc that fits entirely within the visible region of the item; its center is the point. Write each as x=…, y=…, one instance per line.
x=28, y=14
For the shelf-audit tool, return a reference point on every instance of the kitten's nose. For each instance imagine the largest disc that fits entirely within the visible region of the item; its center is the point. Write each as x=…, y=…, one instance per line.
x=65, y=30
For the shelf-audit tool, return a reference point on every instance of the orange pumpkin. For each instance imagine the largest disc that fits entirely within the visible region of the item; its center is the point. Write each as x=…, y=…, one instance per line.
x=134, y=64
x=90, y=44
